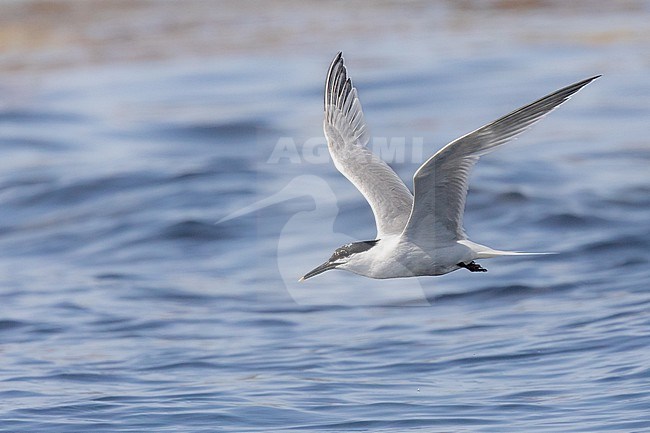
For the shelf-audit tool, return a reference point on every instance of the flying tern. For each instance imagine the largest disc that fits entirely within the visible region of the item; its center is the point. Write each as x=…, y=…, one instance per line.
x=421, y=233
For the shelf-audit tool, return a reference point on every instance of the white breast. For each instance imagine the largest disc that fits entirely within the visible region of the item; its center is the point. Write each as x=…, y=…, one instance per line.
x=396, y=257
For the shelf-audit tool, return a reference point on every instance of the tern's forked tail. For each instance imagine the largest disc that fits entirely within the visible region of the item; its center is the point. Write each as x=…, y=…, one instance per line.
x=497, y=253
x=483, y=252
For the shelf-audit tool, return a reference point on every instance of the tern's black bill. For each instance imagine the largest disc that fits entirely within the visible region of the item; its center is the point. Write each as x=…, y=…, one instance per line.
x=319, y=270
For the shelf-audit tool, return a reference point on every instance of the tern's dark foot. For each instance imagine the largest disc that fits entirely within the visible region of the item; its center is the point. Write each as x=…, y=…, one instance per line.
x=472, y=267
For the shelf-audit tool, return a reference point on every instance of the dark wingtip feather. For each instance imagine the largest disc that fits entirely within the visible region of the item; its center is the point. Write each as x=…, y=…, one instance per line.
x=573, y=88
x=337, y=59
x=589, y=80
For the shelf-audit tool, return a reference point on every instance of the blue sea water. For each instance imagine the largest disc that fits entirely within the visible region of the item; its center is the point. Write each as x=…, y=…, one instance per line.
x=155, y=217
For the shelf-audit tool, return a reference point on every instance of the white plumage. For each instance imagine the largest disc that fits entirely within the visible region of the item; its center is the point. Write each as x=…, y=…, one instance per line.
x=420, y=233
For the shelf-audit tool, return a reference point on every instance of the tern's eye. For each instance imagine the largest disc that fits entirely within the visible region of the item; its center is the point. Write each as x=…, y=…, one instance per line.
x=340, y=253
x=354, y=248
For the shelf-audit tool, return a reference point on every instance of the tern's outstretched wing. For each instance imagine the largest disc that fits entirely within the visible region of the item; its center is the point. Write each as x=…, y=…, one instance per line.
x=440, y=184
x=347, y=136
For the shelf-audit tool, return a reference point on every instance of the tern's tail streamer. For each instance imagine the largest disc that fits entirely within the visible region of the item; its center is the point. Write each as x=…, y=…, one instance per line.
x=497, y=253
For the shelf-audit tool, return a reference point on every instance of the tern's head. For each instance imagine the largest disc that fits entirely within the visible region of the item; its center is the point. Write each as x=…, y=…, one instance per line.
x=344, y=258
